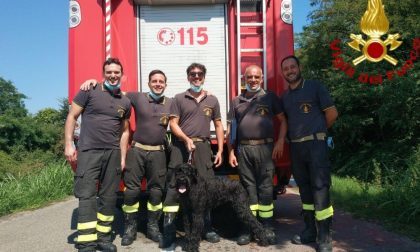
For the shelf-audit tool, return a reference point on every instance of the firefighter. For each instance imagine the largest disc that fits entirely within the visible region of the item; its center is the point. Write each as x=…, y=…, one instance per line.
x=102, y=148
x=310, y=111
x=190, y=117
x=147, y=157
x=251, y=113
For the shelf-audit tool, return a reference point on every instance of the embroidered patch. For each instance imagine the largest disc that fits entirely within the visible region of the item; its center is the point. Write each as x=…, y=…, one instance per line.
x=305, y=108
x=208, y=111
x=262, y=110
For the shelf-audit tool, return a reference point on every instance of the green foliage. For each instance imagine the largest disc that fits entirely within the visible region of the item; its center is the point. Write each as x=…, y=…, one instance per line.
x=377, y=135
x=53, y=182
x=11, y=101
x=378, y=128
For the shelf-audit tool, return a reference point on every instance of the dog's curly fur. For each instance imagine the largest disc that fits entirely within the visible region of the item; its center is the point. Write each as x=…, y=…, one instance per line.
x=198, y=196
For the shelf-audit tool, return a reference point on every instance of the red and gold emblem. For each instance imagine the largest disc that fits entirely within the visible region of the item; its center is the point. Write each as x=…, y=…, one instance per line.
x=375, y=24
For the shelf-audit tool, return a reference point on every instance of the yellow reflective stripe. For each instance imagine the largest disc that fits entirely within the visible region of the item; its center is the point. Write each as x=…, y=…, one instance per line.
x=131, y=209
x=102, y=217
x=254, y=207
x=254, y=213
x=153, y=208
x=87, y=238
x=310, y=207
x=266, y=207
x=86, y=225
x=322, y=215
x=266, y=214
x=103, y=229
x=171, y=209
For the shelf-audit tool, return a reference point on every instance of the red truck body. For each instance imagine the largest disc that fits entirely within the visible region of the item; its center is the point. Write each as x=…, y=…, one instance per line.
x=168, y=35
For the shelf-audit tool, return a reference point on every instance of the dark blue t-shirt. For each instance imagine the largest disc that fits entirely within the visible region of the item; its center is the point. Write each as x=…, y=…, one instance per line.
x=304, y=107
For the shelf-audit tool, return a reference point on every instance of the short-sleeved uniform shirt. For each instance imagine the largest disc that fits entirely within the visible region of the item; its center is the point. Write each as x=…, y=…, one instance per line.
x=152, y=118
x=256, y=122
x=304, y=108
x=195, y=117
x=102, y=118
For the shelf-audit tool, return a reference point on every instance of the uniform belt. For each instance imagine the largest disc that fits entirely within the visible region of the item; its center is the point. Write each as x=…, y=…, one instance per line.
x=317, y=136
x=257, y=141
x=197, y=139
x=149, y=147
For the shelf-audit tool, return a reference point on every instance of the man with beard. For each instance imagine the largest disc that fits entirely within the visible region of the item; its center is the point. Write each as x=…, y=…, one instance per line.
x=192, y=112
x=102, y=147
x=310, y=111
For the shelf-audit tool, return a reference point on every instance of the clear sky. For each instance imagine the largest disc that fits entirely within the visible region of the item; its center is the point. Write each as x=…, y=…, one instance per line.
x=33, y=47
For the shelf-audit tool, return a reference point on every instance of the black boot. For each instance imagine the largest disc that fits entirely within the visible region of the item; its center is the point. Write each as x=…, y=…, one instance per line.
x=153, y=232
x=209, y=234
x=130, y=229
x=308, y=235
x=269, y=230
x=324, y=238
x=104, y=242
x=169, y=230
x=244, y=235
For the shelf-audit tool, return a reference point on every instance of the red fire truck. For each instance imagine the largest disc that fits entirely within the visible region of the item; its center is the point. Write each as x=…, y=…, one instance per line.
x=224, y=35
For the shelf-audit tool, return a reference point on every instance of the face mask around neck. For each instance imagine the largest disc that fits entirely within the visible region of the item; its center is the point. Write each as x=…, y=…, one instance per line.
x=196, y=89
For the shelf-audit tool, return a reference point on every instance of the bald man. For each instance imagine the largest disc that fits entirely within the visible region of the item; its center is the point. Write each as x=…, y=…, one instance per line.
x=251, y=117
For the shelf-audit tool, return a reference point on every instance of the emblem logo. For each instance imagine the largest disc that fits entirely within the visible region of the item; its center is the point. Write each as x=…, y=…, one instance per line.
x=166, y=36
x=305, y=108
x=262, y=110
x=375, y=24
x=208, y=111
x=121, y=111
x=164, y=120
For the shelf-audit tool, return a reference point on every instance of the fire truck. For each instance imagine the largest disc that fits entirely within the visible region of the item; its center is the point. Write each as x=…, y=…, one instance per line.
x=224, y=35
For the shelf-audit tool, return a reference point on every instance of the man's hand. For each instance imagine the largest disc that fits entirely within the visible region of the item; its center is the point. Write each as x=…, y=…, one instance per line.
x=70, y=153
x=86, y=85
x=232, y=159
x=278, y=150
x=218, y=159
x=189, y=144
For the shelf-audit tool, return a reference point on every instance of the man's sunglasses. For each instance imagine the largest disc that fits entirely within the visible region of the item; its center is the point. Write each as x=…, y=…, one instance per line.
x=198, y=74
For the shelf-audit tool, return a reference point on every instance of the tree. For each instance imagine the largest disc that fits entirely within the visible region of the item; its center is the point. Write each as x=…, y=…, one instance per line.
x=11, y=101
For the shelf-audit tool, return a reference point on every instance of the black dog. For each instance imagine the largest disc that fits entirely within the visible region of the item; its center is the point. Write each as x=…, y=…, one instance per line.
x=198, y=196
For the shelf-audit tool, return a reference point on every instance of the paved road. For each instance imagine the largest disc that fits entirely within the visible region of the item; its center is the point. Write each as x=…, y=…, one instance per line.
x=53, y=229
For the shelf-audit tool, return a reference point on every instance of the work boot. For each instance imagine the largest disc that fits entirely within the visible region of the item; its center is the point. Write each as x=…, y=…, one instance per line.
x=153, y=232
x=106, y=247
x=209, y=234
x=130, y=229
x=308, y=234
x=244, y=235
x=169, y=230
x=104, y=242
x=269, y=229
x=324, y=238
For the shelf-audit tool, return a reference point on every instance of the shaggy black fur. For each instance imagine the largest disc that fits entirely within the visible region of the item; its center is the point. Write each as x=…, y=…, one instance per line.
x=198, y=195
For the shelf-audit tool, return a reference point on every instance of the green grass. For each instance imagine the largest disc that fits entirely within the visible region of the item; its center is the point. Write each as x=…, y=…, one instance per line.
x=394, y=207
x=34, y=190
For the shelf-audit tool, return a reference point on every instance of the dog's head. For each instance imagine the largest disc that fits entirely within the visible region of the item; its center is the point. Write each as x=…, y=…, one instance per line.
x=185, y=177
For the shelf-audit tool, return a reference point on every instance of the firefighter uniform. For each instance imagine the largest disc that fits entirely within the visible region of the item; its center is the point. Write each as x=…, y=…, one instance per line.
x=98, y=164
x=307, y=130
x=146, y=158
x=194, y=120
x=255, y=137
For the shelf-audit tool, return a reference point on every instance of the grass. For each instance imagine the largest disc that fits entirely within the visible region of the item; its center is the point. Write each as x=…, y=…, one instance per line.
x=394, y=207
x=54, y=182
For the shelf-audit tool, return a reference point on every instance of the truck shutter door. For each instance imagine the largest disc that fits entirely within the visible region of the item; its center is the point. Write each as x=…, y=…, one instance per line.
x=172, y=37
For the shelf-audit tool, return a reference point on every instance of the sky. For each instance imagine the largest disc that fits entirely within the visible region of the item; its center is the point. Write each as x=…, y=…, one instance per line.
x=34, y=48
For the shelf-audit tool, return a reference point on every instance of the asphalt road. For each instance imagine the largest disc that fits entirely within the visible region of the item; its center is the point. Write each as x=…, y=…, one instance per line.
x=53, y=228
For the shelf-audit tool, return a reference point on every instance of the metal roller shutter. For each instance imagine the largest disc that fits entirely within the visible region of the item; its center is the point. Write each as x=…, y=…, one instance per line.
x=172, y=37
